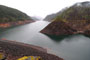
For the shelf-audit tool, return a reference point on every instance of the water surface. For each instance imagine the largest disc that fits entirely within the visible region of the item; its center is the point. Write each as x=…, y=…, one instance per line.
x=75, y=47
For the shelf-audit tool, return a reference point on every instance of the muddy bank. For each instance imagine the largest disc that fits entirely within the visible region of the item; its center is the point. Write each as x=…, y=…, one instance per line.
x=15, y=50
x=5, y=26
x=11, y=24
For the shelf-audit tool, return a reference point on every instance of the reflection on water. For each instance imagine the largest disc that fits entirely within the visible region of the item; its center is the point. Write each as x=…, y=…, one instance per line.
x=74, y=47
x=57, y=38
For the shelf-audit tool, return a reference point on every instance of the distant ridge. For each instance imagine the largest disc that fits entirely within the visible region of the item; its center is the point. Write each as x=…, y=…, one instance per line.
x=51, y=17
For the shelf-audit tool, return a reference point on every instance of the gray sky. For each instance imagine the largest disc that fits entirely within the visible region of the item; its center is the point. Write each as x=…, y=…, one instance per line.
x=39, y=7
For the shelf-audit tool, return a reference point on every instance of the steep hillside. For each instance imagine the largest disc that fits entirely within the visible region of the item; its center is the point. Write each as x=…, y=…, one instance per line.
x=76, y=16
x=11, y=17
x=58, y=28
x=8, y=14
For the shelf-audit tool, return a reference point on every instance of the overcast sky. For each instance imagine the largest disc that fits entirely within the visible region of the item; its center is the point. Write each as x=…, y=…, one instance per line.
x=39, y=7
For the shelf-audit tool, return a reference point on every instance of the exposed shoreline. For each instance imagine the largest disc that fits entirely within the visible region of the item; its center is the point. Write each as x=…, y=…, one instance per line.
x=15, y=50
x=27, y=45
x=11, y=24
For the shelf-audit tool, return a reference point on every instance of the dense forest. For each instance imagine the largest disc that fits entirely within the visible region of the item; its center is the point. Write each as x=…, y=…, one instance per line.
x=79, y=11
x=8, y=14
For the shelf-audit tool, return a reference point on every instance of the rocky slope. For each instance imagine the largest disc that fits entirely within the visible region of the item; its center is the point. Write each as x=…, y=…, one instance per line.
x=58, y=28
x=73, y=20
x=13, y=51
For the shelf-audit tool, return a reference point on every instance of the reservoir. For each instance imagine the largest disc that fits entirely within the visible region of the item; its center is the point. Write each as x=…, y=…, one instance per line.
x=74, y=47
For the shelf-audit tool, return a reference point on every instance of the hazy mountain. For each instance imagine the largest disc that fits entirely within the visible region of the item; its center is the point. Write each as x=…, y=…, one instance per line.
x=51, y=17
x=36, y=18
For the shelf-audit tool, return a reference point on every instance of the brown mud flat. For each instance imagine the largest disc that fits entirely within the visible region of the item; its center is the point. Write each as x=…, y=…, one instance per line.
x=14, y=50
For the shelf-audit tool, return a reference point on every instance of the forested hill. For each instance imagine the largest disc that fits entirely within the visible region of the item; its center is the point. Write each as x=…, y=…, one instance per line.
x=73, y=20
x=8, y=14
x=79, y=11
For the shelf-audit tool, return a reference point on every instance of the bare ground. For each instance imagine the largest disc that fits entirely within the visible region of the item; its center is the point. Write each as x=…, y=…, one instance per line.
x=14, y=50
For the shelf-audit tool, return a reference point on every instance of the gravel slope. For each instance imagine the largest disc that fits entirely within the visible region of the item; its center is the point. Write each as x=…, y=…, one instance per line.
x=14, y=50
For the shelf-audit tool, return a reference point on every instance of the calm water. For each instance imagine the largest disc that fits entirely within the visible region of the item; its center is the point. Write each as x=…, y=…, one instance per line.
x=76, y=47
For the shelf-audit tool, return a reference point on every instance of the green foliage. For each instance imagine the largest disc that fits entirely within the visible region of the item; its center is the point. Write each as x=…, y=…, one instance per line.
x=8, y=14
x=75, y=13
